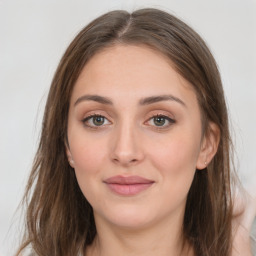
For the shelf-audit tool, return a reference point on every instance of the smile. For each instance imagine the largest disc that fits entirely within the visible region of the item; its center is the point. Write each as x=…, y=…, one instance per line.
x=128, y=186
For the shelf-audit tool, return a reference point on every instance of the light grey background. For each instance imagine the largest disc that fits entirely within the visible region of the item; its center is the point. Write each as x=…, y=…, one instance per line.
x=33, y=37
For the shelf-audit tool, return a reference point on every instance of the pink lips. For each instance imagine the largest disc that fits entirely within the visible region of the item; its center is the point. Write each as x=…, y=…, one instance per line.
x=128, y=186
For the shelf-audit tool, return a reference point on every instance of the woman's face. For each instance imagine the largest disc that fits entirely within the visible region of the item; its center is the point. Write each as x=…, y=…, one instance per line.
x=135, y=137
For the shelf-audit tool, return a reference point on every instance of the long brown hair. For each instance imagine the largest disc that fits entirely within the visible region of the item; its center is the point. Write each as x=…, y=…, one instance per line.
x=59, y=220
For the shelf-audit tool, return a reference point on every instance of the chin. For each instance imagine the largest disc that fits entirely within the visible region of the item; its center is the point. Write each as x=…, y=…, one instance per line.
x=128, y=217
x=132, y=222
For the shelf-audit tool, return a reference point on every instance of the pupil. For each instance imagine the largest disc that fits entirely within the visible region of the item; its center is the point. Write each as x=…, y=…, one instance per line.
x=98, y=120
x=159, y=121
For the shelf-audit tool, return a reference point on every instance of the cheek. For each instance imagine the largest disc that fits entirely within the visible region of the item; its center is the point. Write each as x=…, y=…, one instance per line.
x=89, y=156
x=176, y=163
x=177, y=155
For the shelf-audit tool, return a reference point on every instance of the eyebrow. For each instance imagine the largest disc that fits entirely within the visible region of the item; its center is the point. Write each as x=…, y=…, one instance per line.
x=155, y=99
x=142, y=102
x=97, y=98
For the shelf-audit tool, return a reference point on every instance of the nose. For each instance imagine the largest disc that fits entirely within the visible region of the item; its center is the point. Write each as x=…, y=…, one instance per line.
x=126, y=148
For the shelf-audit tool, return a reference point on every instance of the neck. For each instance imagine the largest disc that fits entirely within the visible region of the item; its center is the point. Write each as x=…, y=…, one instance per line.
x=163, y=239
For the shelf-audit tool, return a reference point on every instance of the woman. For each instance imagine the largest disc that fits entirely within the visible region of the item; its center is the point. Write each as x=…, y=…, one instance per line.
x=134, y=156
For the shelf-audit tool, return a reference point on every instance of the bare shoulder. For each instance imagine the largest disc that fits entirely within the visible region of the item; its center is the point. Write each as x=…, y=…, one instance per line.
x=244, y=225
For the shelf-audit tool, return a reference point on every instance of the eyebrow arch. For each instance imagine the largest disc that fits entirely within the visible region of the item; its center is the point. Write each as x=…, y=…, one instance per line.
x=97, y=98
x=155, y=99
x=144, y=101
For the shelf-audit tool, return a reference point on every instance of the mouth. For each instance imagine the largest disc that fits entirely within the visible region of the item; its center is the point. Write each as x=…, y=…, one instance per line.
x=128, y=186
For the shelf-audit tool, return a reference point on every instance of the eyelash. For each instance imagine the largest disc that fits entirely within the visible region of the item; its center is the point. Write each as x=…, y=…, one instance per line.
x=86, y=119
x=166, y=118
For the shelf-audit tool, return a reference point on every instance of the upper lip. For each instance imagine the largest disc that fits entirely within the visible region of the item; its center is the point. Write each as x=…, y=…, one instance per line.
x=129, y=180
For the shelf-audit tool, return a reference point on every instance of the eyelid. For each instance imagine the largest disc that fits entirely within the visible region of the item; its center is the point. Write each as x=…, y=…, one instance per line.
x=171, y=121
x=170, y=118
x=90, y=116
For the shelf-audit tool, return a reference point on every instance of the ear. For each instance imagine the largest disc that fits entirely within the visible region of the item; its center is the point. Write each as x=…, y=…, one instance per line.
x=209, y=146
x=69, y=156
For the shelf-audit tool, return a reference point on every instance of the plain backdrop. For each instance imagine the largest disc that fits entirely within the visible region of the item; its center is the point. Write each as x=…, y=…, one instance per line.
x=33, y=37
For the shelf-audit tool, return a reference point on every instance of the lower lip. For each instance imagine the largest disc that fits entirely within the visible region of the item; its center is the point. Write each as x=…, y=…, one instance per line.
x=128, y=189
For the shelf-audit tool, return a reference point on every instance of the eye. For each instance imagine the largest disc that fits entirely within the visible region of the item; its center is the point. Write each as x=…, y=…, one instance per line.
x=95, y=121
x=161, y=121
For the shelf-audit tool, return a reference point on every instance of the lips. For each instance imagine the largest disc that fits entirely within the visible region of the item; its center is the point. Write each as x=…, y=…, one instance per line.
x=128, y=186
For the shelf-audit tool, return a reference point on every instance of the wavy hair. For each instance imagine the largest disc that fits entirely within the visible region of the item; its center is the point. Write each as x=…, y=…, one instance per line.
x=59, y=219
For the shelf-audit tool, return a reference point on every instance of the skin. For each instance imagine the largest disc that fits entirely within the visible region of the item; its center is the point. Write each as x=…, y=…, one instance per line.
x=245, y=210
x=130, y=141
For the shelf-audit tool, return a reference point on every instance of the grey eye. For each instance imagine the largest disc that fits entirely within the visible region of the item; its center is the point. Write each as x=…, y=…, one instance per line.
x=95, y=121
x=159, y=120
x=98, y=120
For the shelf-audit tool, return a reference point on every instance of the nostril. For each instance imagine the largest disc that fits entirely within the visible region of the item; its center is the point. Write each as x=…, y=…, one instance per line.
x=125, y=161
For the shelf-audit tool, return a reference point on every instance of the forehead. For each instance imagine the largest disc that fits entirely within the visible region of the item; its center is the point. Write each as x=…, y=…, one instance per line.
x=131, y=72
